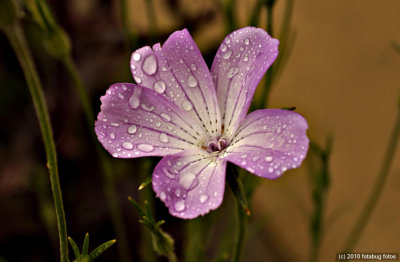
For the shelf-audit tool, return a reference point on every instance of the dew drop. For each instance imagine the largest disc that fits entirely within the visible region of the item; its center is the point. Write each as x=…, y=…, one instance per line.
x=227, y=55
x=145, y=148
x=115, y=154
x=163, y=138
x=120, y=95
x=165, y=117
x=147, y=108
x=232, y=72
x=270, y=169
x=223, y=48
x=193, y=67
x=134, y=102
x=167, y=173
x=112, y=135
x=180, y=205
x=149, y=65
x=132, y=129
x=158, y=124
x=114, y=124
x=187, y=106
x=137, y=79
x=203, y=198
x=159, y=86
x=127, y=145
x=246, y=41
x=136, y=57
x=192, y=82
x=268, y=158
x=163, y=196
x=245, y=59
x=186, y=180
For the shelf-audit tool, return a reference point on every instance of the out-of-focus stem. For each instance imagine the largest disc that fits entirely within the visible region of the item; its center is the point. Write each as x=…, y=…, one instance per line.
x=152, y=19
x=130, y=37
x=108, y=179
x=269, y=75
x=230, y=16
x=377, y=189
x=240, y=233
x=17, y=39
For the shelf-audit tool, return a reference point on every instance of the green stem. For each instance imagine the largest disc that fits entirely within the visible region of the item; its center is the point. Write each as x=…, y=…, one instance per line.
x=241, y=230
x=108, y=179
x=376, y=190
x=130, y=37
x=230, y=15
x=18, y=42
x=270, y=72
x=151, y=16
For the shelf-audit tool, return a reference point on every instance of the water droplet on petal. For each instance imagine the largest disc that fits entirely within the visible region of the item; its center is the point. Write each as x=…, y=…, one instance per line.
x=134, y=102
x=203, y=198
x=120, y=95
x=127, y=145
x=148, y=108
x=136, y=57
x=145, y=148
x=270, y=169
x=186, y=180
x=193, y=67
x=115, y=154
x=268, y=158
x=232, y=72
x=114, y=124
x=149, y=65
x=112, y=135
x=132, y=129
x=223, y=48
x=180, y=205
x=165, y=117
x=187, y=106
x=159, y=86
x=158, y=124
x=227, y=55
x=192, y=82
x=163, y=196
x=137, y=79
x=167, y=173
x=163, y=138
x=246, y=41
x=245, y=59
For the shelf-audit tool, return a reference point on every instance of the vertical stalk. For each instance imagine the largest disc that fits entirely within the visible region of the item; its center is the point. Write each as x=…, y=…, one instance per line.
x=108, y=180
x=377, y=189
x=270, y=72
x=241, y=230
x=17, y=39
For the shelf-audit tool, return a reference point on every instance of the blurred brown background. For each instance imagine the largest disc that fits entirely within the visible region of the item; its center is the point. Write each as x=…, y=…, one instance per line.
x=343, y=75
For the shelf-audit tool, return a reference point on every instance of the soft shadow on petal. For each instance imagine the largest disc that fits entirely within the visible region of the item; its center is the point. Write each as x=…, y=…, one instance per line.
x=135, y=121
x=241, y=61
x=178, y=71
x=269, y=142
x=190, y=183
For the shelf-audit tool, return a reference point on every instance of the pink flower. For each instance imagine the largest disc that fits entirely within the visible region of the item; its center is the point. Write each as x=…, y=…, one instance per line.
x=196, y=119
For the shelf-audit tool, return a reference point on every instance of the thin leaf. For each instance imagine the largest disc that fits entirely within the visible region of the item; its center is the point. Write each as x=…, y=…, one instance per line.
x=85, y=247
x=137, y=207
x=100, y=249
x=74, y=247
x=145, y=183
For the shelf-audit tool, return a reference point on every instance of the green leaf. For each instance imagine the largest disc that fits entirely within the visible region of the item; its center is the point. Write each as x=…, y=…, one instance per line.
x=100, y=249
x=145, y=183
x=85, y=246
x=74, y=247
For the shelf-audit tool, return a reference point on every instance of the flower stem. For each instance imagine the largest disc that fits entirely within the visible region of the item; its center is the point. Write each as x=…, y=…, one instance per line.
x=17, y=39
x=376, y=190
x=108, y=180
x=240, y=233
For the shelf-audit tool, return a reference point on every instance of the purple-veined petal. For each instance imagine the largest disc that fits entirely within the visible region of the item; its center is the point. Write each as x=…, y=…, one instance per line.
x=177, y=70
x=269, y=142
x=238, y=67
x=190, y=183
x=135, y=121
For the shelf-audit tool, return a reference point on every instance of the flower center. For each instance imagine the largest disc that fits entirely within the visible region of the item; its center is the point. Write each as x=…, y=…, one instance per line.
x=217, y=145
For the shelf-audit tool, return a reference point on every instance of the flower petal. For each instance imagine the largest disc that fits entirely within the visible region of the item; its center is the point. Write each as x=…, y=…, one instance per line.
x=239, y=65
x=190, y=183
x=269, y=142
x=135, y=121
x=178, y=71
